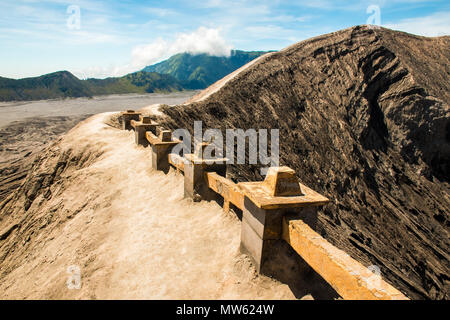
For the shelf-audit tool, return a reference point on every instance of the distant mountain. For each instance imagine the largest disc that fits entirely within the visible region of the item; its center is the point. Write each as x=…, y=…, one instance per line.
x=181, y=71
x=201, y=70
x=137, y=82
x=49, y=86
x=63, y=84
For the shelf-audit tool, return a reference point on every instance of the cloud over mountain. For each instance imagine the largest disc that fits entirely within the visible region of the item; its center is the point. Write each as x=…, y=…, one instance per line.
x=202, y=40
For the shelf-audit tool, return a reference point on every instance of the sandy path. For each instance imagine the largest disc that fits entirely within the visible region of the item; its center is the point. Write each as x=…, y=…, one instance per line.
x=132, y=234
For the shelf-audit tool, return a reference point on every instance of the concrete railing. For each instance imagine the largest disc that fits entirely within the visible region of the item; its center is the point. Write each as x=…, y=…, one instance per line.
x=276, y=209
x=227, y=189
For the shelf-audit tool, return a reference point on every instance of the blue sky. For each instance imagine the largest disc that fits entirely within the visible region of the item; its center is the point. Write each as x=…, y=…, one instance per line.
x=113, y=37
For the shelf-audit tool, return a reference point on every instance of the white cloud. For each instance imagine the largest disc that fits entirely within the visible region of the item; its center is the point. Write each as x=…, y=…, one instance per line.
x=434, y=25
x=203, y=40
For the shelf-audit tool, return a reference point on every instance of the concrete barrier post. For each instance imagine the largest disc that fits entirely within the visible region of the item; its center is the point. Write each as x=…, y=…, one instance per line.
x=265, y=204
x=141, y=127
x=161, y=147
x=195, y=169
x=127, y=116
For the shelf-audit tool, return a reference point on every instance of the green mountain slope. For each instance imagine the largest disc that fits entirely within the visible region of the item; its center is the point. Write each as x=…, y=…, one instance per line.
x=63, y=84
x=138, y=82
x=201, y=70
x=54, y=85
x=181, y=71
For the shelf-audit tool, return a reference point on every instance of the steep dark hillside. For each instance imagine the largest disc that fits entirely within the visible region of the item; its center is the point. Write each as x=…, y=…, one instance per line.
x=364, y=119
x=197, y=71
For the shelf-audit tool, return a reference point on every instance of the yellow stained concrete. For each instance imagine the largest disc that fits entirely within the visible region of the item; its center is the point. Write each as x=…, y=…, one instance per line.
x=257, y=192
x=227, y=189
x=142, y=122
x=281, y=181
x=347, y=276
x=154, y=140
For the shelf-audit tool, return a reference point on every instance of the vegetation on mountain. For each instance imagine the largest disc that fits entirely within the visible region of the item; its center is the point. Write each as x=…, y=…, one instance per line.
x=63, y=84
x=181, y=72
x=201, y=70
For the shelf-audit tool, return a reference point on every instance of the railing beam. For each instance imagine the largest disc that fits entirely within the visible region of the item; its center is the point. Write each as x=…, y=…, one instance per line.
x=347, y=276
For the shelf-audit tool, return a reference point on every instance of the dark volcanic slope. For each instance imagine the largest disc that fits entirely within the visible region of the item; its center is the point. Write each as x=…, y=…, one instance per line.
x=364, y=119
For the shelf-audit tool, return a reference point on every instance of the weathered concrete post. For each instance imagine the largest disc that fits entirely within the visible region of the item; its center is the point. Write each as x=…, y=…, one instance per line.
x=161, y=147
x=195, y=169
x=141, y=127
x=127, y=116
x=265, y=204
